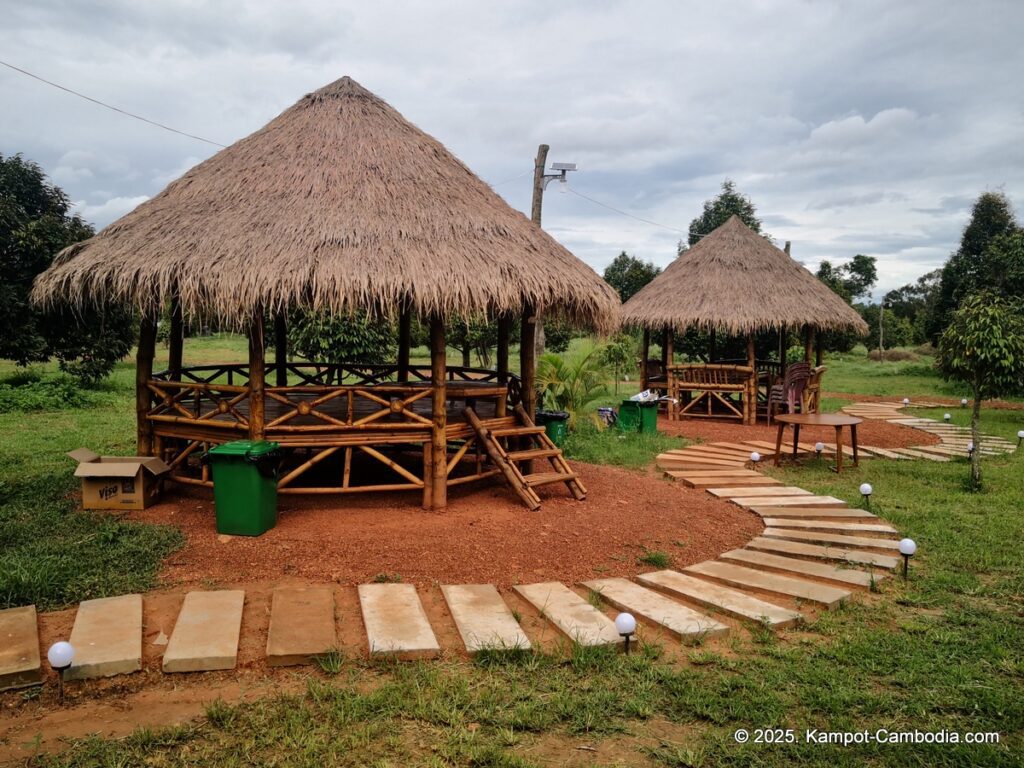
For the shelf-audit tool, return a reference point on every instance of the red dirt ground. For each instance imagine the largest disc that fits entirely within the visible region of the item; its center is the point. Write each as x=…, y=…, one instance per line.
x=880, y=434
x=486, y=535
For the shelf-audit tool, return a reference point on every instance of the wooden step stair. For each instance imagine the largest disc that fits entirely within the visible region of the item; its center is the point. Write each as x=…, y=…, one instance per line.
x=533, y=444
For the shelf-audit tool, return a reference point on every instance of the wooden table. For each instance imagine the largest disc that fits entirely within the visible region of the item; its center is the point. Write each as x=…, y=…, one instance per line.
x=837, y=420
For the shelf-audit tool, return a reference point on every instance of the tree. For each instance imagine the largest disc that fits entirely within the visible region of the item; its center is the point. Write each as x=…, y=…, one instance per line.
x=983, y=347
x=967, y=269
x=850, y=280
x=477, y=334
x=628, y=274
x=323, y=337
x=915, y=302
x=718, y=210
x=35, y=224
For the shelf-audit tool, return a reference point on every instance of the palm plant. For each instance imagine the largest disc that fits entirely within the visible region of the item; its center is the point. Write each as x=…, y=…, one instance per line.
x=572, y=382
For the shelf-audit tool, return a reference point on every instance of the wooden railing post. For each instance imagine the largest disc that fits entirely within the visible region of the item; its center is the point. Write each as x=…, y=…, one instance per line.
x=143, y=373
x=436, y=472
x=176, y=339
x=503, y=328
x=257, y=376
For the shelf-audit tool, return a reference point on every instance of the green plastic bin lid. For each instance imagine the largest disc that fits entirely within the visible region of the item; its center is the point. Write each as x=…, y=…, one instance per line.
x=245, y=448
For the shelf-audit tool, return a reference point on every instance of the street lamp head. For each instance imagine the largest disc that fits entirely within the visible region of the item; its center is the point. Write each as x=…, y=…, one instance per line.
x=563, y=166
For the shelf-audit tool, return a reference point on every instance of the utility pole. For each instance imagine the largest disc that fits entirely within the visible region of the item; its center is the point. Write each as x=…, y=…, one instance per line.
x=540, y=183
x=535, y=214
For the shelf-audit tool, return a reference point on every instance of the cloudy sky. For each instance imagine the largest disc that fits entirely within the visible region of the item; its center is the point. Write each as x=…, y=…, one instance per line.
x=855, y=127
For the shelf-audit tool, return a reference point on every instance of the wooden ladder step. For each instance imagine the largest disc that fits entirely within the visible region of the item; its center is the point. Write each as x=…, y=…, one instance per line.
x=546, y=478
x=533, y=453
x=517, y=431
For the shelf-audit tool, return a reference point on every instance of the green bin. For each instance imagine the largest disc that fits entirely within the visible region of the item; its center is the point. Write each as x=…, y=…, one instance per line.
x=245, y=486
x=556, y=425
x=636, y=416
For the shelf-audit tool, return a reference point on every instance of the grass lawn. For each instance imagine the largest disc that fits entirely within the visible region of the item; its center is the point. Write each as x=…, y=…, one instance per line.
x=942, y=652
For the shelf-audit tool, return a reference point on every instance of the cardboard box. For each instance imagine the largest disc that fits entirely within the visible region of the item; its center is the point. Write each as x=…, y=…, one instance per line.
x=118, y=482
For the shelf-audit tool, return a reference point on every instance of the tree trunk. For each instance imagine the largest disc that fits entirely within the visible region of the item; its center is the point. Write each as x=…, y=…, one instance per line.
x=975, y=435
x=466, y=352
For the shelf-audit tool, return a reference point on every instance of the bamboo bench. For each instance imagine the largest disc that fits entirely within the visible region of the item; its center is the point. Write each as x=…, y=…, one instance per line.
x=710, y=390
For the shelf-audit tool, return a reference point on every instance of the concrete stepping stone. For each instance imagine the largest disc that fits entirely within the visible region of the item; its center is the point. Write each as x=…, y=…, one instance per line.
x=729, y=601
x=685, y=474
x=205, y=636
x=781, y=490
x=676, y=618
x=919, y=454
x=808, y=568
x=483, y=619
x=573, y=616
x=19, y=648
x=847, y=450
x=701, y=481
x=301, y=625
x=745, y=447
x=722, y=461
x=886, y=453
x=396, y=624
x=799, y=549
x=788, y=501
x=739, y=576
x=681, y=462
x=829, y=525
x=831, y=538
x=766, y=509
x=107, y=637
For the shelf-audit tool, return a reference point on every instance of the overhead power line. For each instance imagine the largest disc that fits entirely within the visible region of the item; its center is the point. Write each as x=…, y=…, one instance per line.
x=111, y=107
x=627, y=214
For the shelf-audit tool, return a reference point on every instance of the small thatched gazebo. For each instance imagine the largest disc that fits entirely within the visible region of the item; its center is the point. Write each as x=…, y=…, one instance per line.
x=735, y=282
x=337, y=205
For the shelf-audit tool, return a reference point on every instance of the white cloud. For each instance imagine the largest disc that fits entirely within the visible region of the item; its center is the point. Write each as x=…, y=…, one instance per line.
x=110, y=209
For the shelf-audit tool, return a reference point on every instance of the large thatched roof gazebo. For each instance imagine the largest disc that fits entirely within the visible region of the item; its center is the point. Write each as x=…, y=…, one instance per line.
x=735, y=282
x=339, y=205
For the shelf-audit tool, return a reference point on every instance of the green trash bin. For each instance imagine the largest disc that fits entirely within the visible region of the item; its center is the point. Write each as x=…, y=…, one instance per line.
x=629, y=416
x=556, y=425
x=245, y=486
x=649, y=418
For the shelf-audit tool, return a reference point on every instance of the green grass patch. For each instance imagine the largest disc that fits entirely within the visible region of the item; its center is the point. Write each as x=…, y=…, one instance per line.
x=609, y=445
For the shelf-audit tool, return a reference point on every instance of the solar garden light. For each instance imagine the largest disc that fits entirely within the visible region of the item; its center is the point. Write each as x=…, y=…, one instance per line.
x=60, y=656
x=963, y=402
x=625, y=625
x=818, y=448
x=866, y=490
x=946, y=417
x=755, y=456
x=906, y=401
x=907, y=548
x=1020, y=437
x=970, y=449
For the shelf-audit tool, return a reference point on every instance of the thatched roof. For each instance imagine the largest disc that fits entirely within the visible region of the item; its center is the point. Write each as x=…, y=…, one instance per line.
x=339, y=203
x=737, y=282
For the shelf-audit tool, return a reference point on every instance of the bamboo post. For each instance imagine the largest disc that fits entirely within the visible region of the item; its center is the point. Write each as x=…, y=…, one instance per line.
x=669, y=354
x=176, y=339
x=528, y=361
x=711, y=346
x=817, y=348
x=281, y=349
x=437, y=469
x=257, y=376
x=808, y=342
x=404, y=341
x=645, y=350
x=143, y=373
x=503, y=328
x=751, y=408
x=782, y=351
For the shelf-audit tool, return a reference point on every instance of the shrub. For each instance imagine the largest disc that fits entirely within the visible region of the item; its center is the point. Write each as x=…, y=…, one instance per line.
x=894, y=356
x=54, y=394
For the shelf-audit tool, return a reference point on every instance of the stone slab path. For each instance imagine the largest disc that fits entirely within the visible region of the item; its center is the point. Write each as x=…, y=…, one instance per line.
x=668, y=614
x=396, y=624
x=205, y=636
x=573, y=616
x=483, y=619
x=732, y=602
x=301, y=625
x=19, y=648
x=107, y=637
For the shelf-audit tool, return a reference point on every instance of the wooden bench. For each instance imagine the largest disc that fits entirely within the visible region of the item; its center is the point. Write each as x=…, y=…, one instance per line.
x=713, y=390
